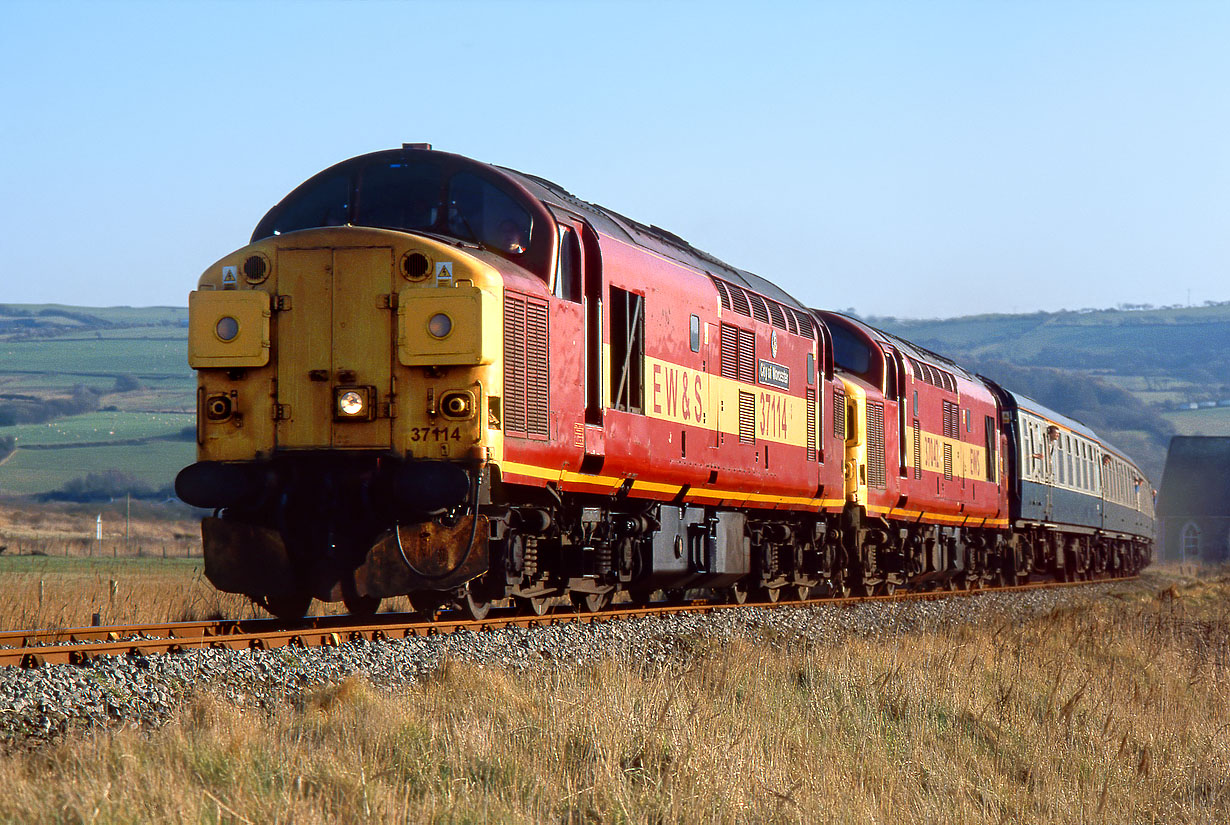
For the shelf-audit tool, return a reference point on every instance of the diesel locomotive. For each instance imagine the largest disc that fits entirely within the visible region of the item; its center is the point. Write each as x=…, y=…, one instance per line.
x=433, y=377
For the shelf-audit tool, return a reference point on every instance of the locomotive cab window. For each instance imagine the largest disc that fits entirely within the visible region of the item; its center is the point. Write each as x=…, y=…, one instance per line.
x=323, y=202
x=568, y=266
x=425, y=194
x=854, y=353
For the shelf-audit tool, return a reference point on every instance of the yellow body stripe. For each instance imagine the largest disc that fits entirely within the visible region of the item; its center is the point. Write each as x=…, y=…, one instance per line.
x=533, y=471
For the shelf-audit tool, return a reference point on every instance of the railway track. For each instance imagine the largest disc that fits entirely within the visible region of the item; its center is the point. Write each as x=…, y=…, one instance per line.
x=80, y=646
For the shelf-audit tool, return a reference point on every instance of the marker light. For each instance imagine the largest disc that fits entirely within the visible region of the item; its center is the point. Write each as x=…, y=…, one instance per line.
x=227, y=328
x=350, y=403
x=440, y=325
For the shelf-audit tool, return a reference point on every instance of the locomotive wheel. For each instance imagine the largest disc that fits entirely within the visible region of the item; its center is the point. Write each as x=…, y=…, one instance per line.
x=359, y=605
x=737, y=593
x=641, y=597
x=590, y=602
x=292, y=606
x=476, y=607
x=534, y=606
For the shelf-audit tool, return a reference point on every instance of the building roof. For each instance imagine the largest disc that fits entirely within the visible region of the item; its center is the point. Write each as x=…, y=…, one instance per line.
x=1196, y=481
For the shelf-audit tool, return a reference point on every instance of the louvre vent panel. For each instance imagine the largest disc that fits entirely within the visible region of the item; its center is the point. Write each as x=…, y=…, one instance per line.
x=514, y=365
x=952, y=420
x=747, y=356
x=526, y=379
x=722, y=293
x=759, y=311
x=839, y=413
x=917, y=450
x=948, y=462
x=776, y=315
x=738, y=299
x=875, y=444
x=537, y=381
x=747, y=418
x=730, y=352
x=811, y=424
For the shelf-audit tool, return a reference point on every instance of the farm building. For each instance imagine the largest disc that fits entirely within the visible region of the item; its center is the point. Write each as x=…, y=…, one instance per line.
x=1193, y=506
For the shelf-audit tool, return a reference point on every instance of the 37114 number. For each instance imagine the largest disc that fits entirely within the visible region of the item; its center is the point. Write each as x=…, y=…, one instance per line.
x=435, y=434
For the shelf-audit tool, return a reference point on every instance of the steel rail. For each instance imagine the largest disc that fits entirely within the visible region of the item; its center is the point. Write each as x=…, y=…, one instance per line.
x=81, y=646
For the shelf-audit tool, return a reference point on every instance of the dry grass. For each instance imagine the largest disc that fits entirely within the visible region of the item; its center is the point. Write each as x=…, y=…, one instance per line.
x=1116, y=712
x=60, y=593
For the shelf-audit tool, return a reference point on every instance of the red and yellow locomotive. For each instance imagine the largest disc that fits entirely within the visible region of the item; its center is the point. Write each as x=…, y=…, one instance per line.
x=433, y=377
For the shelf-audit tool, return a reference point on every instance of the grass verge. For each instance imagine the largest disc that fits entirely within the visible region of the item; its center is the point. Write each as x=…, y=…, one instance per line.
x=1112, y=712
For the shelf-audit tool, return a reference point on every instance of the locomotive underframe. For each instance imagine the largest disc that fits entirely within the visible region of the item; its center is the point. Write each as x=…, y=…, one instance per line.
x=363, y=527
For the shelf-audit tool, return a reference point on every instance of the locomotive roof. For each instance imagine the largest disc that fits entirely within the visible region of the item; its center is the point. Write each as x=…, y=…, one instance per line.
x=903, y=346
x=651, y=237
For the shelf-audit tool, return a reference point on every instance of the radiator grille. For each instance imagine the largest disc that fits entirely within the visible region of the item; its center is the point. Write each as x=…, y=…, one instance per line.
x=747, y=418
x=811, y=424
x=839, y=413
x=526, y=377
x=875, y=444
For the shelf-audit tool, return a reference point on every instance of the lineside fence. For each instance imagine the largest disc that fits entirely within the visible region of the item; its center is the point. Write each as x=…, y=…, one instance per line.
x=144, y=548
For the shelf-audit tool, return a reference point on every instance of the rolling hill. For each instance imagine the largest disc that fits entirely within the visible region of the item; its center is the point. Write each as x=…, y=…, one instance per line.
x=88, y=390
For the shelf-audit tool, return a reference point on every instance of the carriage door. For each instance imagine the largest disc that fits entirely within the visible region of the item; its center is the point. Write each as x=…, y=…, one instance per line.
x=334, y=332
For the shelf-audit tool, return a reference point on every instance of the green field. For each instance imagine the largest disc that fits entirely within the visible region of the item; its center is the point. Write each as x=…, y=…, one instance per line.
x=100, y=426
x=99, y=357
x=1200, y=422
x=37, y=471
x=51, y=351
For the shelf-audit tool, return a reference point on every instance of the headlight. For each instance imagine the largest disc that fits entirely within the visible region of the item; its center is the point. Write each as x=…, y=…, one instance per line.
x=227, y=328
x=350, y=403
x=440, y=325
x=457, y=405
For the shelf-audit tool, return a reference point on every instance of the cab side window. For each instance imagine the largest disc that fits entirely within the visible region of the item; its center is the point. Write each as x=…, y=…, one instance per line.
x=568, y=266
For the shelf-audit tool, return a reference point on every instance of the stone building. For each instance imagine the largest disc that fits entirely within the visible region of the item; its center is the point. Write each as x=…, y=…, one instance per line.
x=1193, y=505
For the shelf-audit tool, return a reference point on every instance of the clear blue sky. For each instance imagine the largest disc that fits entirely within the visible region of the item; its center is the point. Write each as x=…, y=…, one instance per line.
x=913, y=159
